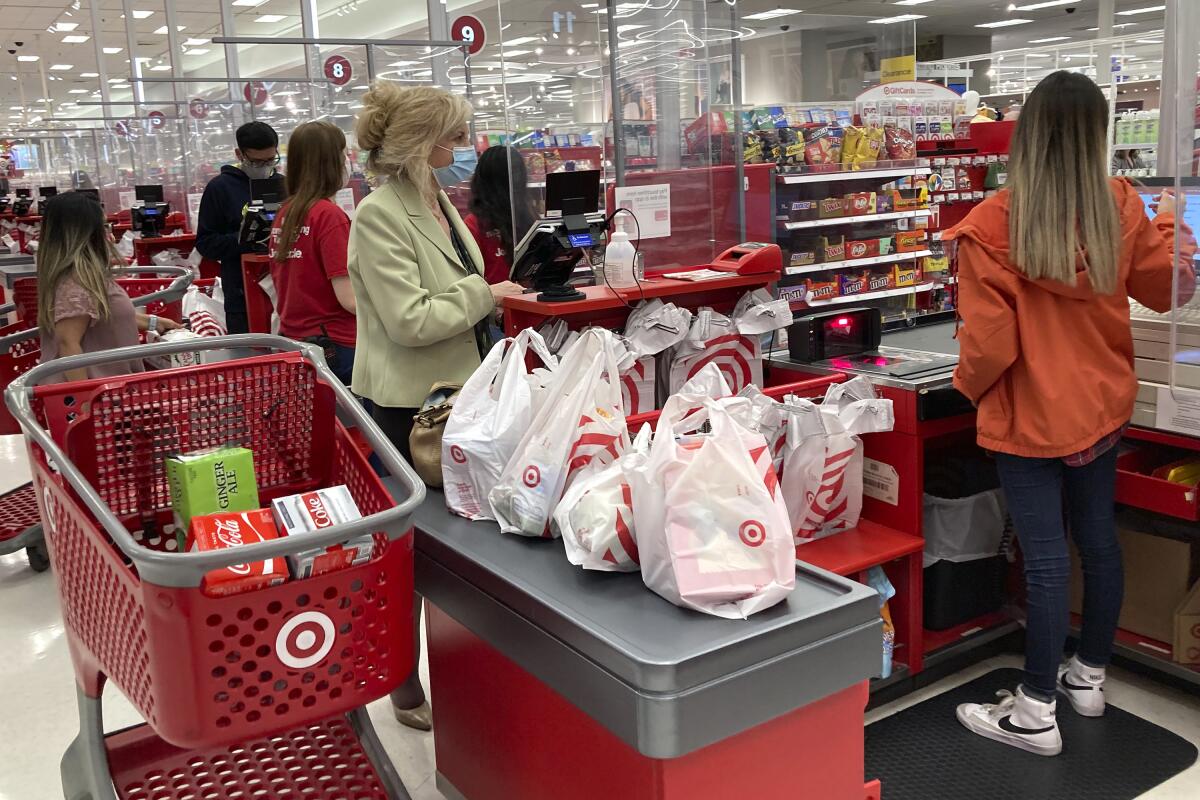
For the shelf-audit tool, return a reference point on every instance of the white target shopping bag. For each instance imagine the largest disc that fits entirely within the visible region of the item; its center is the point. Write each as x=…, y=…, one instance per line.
x=595, y=516
x=767, y=416
x=580, y=428
x=205, y=315
x=491, y=414
x=823, y=461
x=714, y=339
x=638, y=385
x=760, y=312
x=713, y=531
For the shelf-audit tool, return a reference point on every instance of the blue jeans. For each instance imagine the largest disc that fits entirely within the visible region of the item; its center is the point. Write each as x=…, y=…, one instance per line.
x=1037, y=490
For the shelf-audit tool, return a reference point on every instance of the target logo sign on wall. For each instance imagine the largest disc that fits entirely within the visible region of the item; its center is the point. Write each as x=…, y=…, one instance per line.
x=532, y=476
x=255, y=92
x=752, y=533
x=305, y=639
x=338, y=70
x=457, y=454
x=470, y=30
x=198, y=108
x=157, y=120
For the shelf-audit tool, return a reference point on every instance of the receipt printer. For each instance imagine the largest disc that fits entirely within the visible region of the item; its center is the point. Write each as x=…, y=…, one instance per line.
x=750, y=258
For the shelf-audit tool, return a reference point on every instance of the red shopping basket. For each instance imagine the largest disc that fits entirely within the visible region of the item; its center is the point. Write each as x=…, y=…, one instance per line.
x=166, y=283
x=20, y=349
x=206, y=671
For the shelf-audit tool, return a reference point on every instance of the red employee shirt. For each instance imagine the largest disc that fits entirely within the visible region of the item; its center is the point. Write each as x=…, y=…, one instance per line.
x=305, y=299
x=497, y=261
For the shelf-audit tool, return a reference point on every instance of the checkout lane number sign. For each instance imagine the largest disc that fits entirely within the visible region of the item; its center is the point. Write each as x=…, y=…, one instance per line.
x=470, y=30
x=338, y=70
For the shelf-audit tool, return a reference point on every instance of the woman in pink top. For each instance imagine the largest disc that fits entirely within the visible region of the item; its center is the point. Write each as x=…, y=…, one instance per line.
x=80, y=308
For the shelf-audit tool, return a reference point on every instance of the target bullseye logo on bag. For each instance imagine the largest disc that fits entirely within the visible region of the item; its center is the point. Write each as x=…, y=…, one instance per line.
x=532, y=476
x=305, y=639
x=752, y=533
x=457, y=454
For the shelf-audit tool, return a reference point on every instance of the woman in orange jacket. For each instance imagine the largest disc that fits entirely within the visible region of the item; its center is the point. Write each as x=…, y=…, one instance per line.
x=1046, y=268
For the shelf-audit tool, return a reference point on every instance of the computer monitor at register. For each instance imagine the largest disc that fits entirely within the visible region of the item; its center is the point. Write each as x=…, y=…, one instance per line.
x=550, y=249
x=1150, y=189
x=148, y=193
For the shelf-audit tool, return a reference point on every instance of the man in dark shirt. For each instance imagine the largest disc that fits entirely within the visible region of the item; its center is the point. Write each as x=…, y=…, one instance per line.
x=221, y=210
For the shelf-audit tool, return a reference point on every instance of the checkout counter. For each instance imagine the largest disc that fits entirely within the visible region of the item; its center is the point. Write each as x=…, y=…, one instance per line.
x=552, y=682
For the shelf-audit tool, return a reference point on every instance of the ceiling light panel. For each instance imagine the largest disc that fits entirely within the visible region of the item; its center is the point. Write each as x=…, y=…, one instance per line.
x=774, y=13
x=1005, y=23
x=895, y=19
x=1146, y=10
x=75, y=38
x=270, y=18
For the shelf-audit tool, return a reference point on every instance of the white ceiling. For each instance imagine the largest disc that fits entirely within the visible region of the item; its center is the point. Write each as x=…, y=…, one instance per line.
x=27, y=21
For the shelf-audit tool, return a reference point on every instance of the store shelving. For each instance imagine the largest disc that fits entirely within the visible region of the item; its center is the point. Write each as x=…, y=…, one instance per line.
x=859, y=548
x=917, y=213
x=852, y=175
x=1148, y=652
x=952, y=642
x=858, y=298
x=893, y=258
x=1142, y=146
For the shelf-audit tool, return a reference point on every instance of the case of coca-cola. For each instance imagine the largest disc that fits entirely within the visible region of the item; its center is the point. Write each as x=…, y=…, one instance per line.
x=299, y=514
x=222, y=531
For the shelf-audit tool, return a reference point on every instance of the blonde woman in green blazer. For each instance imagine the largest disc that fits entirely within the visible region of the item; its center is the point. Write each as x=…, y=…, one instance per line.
x=423, y=306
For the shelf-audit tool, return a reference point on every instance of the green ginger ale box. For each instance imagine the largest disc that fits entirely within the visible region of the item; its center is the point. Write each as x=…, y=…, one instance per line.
x=210, y=481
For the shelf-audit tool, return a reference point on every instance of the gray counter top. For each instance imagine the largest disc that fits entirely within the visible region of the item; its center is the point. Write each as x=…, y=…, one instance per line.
x=664, y=679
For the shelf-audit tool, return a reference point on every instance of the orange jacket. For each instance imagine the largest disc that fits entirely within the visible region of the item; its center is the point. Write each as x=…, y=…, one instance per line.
x=1049, y=365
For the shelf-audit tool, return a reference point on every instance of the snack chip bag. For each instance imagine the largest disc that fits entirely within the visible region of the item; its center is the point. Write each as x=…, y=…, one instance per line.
x=851, y=139
x=900, y=143
x=823, y=145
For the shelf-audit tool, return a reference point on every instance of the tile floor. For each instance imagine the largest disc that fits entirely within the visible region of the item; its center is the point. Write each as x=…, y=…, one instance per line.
x=39, y=716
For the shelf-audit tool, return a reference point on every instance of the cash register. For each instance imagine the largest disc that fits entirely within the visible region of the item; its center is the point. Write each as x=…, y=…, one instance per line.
x=149, y=212
x=23, y=203
x=266, y=198
x=546, y=256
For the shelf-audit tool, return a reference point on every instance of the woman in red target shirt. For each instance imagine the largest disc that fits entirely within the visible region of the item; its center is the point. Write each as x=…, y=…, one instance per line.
x=501, y=210
x=314, y=298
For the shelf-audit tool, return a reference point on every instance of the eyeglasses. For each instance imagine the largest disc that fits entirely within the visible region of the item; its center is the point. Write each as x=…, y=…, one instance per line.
x=268, y=162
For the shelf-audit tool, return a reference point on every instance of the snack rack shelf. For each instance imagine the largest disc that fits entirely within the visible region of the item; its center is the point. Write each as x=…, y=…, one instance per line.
x=893, y=258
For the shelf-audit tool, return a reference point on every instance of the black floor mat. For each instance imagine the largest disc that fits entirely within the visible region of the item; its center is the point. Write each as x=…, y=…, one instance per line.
x=923, y=753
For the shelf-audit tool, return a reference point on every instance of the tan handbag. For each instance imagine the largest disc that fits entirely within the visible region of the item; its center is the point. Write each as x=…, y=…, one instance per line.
x=425, y=441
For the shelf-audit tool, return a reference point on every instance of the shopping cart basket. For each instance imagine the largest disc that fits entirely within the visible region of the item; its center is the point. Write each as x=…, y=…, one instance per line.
x=259, y=694
x=19, y=352
x=136, y=281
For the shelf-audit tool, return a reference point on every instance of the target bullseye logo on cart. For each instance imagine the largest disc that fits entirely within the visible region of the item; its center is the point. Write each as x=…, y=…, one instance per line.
x=752, y=533
x=305, y=639
x=457, y=454
x=532, y=476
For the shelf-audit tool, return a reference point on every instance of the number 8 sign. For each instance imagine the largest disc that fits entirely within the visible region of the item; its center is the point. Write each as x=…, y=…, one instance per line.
x=469, y=30
x=338, y=70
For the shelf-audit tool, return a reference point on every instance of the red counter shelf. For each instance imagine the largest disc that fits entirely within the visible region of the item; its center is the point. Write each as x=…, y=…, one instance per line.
x=1137, y=486
x=609, y=308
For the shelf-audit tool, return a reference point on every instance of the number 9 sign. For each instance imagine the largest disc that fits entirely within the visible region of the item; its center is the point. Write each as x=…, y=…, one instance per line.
x=338, y=70
x=469, y=30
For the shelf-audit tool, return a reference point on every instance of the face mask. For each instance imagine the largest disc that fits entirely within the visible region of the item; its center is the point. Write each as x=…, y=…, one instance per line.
x=461, y=169
x=257, y=173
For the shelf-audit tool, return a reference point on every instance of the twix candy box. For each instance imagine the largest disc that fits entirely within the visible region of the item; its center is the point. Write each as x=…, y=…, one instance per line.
x=223, y=531
x=301, y=514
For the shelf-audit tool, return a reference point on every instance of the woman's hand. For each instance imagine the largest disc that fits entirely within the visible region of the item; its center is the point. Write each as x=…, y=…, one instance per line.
x=506, y=289
x=161, y=326
x=1166, y=203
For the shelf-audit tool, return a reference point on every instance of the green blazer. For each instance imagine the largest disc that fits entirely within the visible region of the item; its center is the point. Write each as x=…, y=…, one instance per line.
x=417, y=304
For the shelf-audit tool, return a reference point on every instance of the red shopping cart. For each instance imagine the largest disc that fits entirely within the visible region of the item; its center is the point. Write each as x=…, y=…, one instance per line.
x=19, y=352
x=136, y=281
x=259, y=694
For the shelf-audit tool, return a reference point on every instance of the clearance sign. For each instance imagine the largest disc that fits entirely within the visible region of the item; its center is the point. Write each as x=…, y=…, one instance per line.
x=898, y=68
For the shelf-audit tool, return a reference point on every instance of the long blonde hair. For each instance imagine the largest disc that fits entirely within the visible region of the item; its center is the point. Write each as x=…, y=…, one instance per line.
x=1060, y=200
x=74, y=244
x=399, y=127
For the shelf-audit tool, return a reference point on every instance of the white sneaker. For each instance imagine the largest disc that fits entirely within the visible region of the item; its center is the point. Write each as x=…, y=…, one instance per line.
x=1017, y=720
x=1083, y=686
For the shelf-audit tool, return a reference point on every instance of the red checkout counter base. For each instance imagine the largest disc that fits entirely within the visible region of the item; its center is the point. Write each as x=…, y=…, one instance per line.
x=549, y=682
